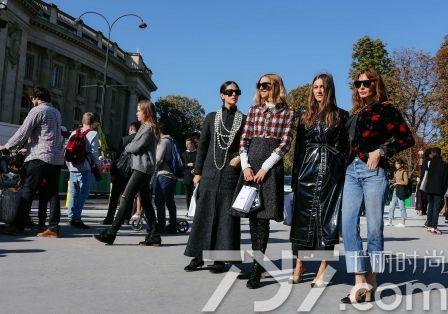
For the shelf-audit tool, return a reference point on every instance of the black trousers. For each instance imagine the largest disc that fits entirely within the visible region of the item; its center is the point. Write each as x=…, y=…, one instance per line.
x=38, y=171
x=118, y=187
x=139, y=182
x=189, y=188
x=435, y=203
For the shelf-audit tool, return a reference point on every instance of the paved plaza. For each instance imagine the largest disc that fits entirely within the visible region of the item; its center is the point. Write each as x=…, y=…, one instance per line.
x=76, y=274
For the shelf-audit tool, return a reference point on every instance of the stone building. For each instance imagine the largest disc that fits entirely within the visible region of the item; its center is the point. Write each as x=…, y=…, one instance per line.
x=41, y=45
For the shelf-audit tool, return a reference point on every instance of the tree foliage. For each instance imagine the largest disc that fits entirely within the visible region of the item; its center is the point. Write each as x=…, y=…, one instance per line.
x=298, y=100
x=182, y=116
x=368, y=53
x=442, y=94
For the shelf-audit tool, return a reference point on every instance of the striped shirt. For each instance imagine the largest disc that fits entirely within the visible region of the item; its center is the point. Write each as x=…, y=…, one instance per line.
x=276, y=122
x=41, y=133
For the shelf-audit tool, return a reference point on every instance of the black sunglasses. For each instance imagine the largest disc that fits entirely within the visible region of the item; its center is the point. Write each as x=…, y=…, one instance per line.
x=264, y=85
x=230, y=92
x=366, y=83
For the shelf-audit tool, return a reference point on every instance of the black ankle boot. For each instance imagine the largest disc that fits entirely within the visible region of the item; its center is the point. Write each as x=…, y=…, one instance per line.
x=106, y=236
x=255, y=276
x=153, y=238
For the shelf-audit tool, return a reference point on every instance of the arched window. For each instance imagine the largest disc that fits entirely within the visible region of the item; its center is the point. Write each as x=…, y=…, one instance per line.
x=25, y=107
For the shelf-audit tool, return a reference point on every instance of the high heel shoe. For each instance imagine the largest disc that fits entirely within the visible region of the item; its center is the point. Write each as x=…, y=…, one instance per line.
x=361, y=296
x=295, y=279
x=318, y=283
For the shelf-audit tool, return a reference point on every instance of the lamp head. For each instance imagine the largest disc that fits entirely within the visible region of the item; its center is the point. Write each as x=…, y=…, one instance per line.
x=4, y=5
x=143, y=25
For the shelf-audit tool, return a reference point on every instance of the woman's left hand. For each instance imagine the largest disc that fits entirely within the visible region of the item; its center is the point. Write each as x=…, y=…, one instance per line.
x=235, y=161
x=374, y=159
x=259, y=177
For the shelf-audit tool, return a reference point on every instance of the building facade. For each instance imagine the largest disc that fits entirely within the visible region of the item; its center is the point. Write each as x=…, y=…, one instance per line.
x=41, y=45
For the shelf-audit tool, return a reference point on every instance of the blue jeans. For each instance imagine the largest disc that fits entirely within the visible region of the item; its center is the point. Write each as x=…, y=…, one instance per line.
x=79, y=192
x=393, y=204
x=164, y=188
x=362, y=183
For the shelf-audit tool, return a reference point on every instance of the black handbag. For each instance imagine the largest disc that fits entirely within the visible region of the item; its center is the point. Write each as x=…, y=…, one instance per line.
x=9, y=205
x=124, y=166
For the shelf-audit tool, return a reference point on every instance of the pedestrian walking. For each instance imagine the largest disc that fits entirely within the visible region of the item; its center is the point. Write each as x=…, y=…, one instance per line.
x=188, y=158
x=318, y=176
x=143, y=151
x=436, y=188
x=81, y=168
x=217, y=169
x=265, y=140
x=164, y=184
x=120, y=177
x=377, y=131
x=400, y=181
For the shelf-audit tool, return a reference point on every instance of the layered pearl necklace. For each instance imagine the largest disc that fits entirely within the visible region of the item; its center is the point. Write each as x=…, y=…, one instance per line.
x=224, y=137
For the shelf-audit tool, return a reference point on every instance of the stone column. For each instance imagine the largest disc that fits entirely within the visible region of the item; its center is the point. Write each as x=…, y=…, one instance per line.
x=132, y=105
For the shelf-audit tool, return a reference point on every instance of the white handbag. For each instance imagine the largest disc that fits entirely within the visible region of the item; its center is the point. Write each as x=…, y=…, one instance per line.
x=247, y=199
x=424, y=182
x=194, y=198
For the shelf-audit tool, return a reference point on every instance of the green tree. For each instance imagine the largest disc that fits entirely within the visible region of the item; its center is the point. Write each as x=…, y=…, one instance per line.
x=368, y=53
x=298, y=100
x=442, y=94
x=183, y=116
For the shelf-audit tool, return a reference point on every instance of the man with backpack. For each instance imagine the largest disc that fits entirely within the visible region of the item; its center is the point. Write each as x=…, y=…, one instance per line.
x=41, y=133
x=120, y=173
x=168, y=169
x=81, y=156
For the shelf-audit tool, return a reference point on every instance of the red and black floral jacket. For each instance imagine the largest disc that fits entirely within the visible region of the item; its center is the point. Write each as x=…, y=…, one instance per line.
x=380, y=126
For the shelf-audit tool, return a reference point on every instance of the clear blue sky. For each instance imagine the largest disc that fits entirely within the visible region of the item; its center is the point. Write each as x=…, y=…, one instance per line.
x=193, y=46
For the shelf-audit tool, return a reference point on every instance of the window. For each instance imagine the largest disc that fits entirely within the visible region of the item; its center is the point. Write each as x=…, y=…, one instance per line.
x=25, y=107
x=81, y=85
x=77, y=115
x=99, y=93
x=29, y=67
x=56, y=76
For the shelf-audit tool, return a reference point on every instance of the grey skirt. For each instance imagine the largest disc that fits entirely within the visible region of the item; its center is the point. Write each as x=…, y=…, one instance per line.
x=271, y=190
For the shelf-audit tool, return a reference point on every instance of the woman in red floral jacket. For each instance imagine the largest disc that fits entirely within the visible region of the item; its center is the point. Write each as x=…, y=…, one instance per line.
x=377, y=131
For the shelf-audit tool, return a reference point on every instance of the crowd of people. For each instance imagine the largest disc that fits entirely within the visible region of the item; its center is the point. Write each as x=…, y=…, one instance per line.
x=339, y=170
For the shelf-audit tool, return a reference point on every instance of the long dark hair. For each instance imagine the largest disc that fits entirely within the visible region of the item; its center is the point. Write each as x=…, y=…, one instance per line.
x=329, y=112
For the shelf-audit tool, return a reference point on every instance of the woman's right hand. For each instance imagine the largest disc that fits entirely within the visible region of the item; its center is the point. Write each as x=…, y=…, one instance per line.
x=248, y=174
x=196, y=180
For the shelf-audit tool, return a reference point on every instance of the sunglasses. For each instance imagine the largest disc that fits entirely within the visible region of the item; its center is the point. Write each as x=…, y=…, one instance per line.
x=365, y=83
x=264, y=85
x=230, y=92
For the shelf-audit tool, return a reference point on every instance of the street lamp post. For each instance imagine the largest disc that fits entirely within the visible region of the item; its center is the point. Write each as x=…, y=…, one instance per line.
x=142, y=25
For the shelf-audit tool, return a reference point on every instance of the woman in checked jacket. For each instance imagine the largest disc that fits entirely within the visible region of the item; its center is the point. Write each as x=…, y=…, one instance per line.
x=265, y=140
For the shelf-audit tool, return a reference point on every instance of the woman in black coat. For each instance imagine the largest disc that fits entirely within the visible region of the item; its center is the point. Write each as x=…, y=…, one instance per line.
x=217, y=169
x=318, y=175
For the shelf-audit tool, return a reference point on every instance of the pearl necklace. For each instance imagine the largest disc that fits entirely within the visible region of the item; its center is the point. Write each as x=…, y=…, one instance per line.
x=225, y=137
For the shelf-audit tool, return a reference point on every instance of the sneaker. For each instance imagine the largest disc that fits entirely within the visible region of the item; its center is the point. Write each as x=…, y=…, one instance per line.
x=49, y=233
x=388, y=223
x=436, y=231
x=78, y=224
x=400, y=225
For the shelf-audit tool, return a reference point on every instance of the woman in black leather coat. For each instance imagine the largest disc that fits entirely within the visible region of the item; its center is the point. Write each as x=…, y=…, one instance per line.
x=318, y=175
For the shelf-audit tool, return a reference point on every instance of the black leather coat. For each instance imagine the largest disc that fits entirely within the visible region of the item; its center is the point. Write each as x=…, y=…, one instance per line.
x=317, y=182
